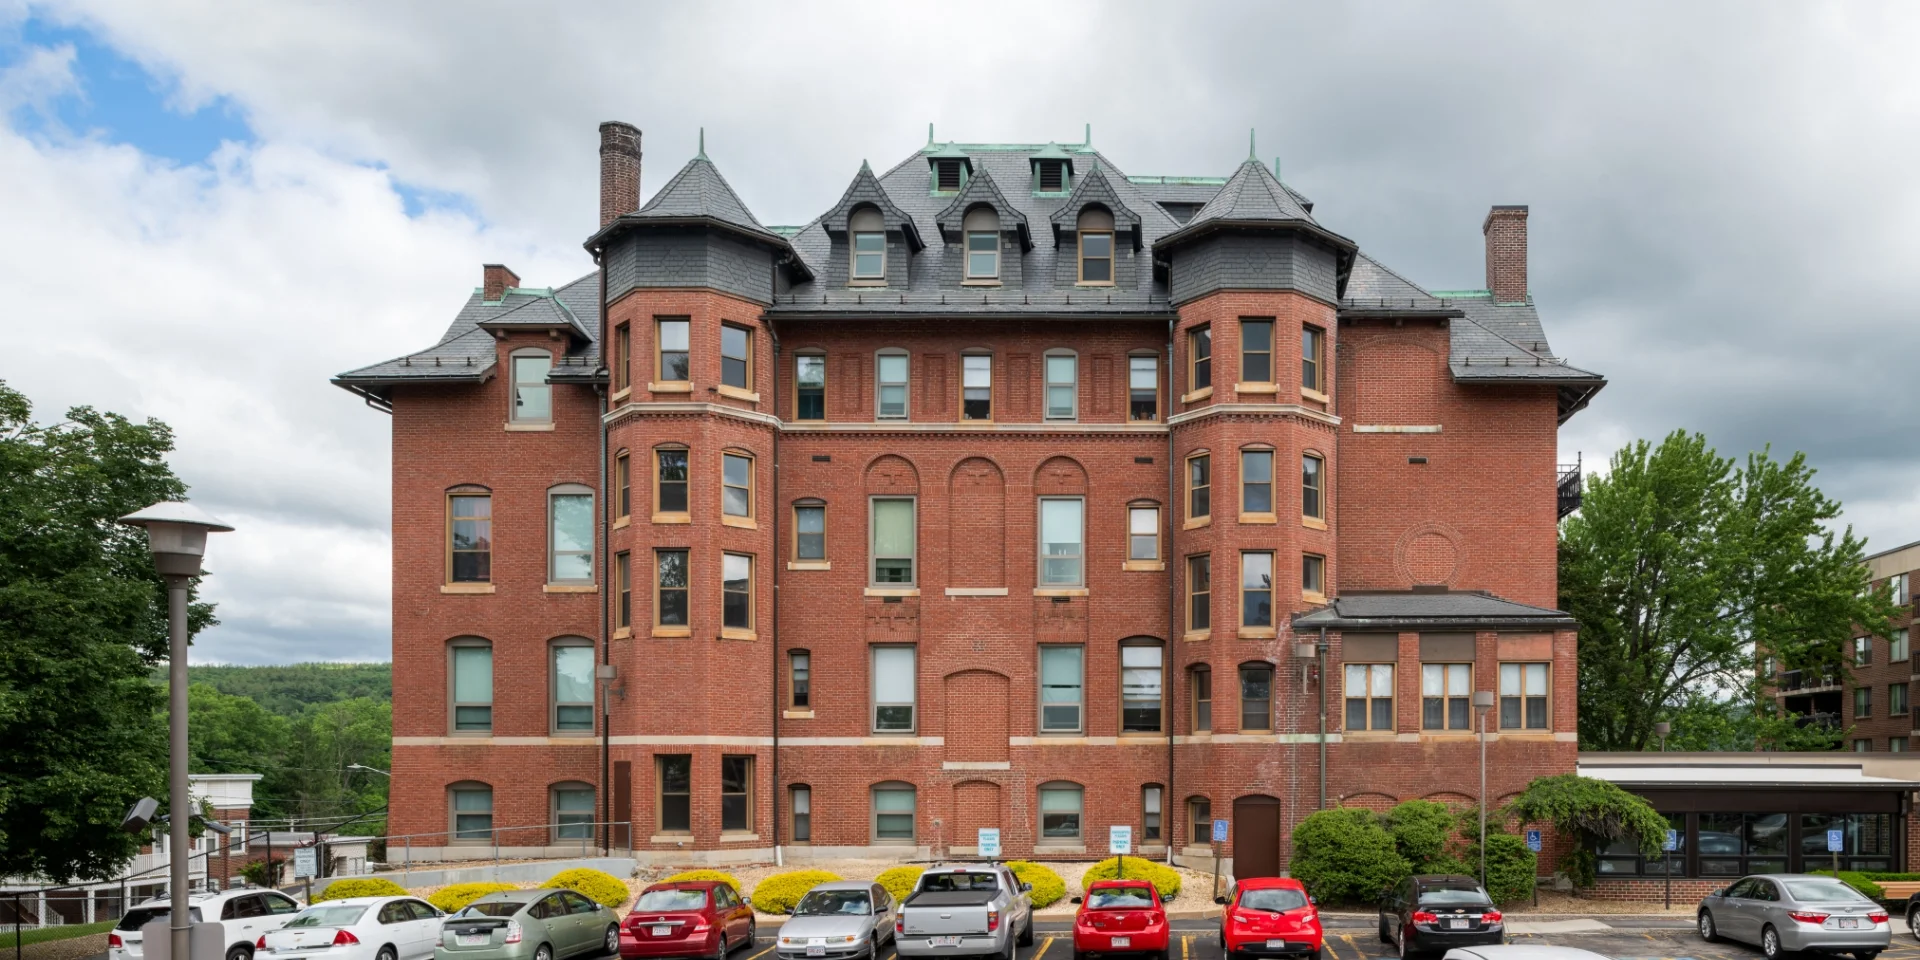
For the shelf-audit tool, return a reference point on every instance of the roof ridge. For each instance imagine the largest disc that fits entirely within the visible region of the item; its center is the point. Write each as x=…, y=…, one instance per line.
x=1397, y=275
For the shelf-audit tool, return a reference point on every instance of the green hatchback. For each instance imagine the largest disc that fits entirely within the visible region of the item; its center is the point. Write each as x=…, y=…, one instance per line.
x=529, y=925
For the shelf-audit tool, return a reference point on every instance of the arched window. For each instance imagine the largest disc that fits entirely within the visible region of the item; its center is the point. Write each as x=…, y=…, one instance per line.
x=869, y=237
x=1142, y=669
x=893, y=812
x=570, y=534
x=1256, y=697
x=570, y=808
x=670, y=483
x=1096, y=246
x=470, y=686
x=532, y=396
x=982, y=229
x=470, y=812
x=1061, y=805
x=570, y=662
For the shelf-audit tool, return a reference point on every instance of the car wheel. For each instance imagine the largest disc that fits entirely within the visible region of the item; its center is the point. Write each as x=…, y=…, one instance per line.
x=1708, y=931
x=1770, y=943
x=1865, y=954
x=719, y=948
x=612, y=942
x=240, y=951
x=386, y=953
x=543, y=952
x=1386, y=936
x=753, y=930
x=1026, y=933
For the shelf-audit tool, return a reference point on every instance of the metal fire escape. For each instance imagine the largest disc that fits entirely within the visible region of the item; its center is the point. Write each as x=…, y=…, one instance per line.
x=1569, y=486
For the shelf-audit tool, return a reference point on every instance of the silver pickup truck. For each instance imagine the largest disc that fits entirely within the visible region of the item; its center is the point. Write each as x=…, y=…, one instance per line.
x=967, y=910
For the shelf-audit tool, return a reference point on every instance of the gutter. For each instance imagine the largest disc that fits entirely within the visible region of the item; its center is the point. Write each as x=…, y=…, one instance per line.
x=1173, y=614
x=779, y=855
x=606, y=577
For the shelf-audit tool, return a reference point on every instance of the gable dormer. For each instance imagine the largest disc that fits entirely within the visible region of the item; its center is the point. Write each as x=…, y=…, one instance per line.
x=873, y=239
x=1095, y=191
x=981, y=191
x=949, y=168
x=1052, y=170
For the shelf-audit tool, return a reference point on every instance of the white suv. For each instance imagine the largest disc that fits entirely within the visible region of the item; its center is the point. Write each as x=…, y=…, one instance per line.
x=246, y=913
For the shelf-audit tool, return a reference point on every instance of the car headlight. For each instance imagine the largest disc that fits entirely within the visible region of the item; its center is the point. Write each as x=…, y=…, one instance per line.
x=835, y=941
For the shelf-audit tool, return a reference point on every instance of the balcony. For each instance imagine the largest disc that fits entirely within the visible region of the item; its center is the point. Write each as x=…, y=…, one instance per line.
x=1789, y=681
x=1569, y=487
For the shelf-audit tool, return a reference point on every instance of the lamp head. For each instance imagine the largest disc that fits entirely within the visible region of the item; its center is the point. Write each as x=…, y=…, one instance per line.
x=1483, y=700
x=1306, y=651
x=177, y=535
x=1662, y=728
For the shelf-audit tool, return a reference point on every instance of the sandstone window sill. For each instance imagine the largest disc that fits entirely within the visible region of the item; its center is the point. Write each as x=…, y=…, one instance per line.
x=1193, y=395
x=735, y=836
x=570, y=588
x=1192, y=635
x=1312, y=394
x=671, y=386
x=1265, y=518
x=466, y=588
x=671, y=838
x=736, y=633
x=1257, y=633
x=623, y=523
x=809, y=565
x=529, y=428
x=624, y=633
x=1060, y=591
x=1369, y=736
x=621, y=394
x=976, y=591
x=668, y=633
x=737, y=393
x=1149, y=566
x=1311, y=597
x=1256, y=388
x=867, y=283
x=1313, y=523
x=796, y=714
x=892, y=591
x=672, y=518
x=980, y=282
x=744, y=523
x=1197, y=522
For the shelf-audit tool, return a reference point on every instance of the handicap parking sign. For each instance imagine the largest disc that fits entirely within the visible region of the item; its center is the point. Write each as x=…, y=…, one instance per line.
x=1673, y=841
x=1220, y=831
x=990, y=842
x=1835, y=841
x=1533, y=840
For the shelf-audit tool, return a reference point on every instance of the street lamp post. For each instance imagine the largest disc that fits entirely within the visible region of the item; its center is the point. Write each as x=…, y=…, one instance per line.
x=362, y=766
x=1482, y=704
x=177, y=536
x=1661, y=730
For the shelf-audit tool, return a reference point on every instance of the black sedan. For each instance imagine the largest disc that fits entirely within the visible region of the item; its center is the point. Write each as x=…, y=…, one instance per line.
x=1432, y=913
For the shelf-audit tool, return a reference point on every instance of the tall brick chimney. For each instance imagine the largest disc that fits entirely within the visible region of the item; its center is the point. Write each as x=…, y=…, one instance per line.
x=1506, y=232
x=619, y=170
x=495, y=279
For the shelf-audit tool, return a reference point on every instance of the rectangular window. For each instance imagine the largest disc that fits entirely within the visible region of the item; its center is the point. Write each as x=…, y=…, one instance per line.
x=1256, y=589
x=570, y=551
x=623, y=484
x=1863, y=745
x=893, y=540
x=622, y=357
x=1202, y=700
x=1150, y=814
x=1896, y=744
x=472, y=814
x=802, y=810
x=1445, y=691
x=1313, y=575
x=573, y=814
x=810, y=387
x=1063, y=386
x=1862, y=702
x=1199, y=487
x=1312, y=347
x=736, y=794
x=976, y=387
x=1897, y=589
x=1256, y=481
x=1199, y=821
x=1370, y=696
x=1096, y=257
x=1256, y=697
x=1896, y=699
x=1062, y=542
x=623, y=585
x=1256, y=351
x=736, y=591
x=890, y=369
x=470, y=538
x=1862, y=651
x=983, y=255
x=893, y=689
x=1060, y=810
x=736, y=485
x=869, y=256
x=1143, y=533
x=573, y=688
x=736, y=356
x=800, y=679
x=1143, y=388
x=675, y=775
x=1523, y=696
x=1200, y=358
x=1140, y=684
x=810, y=532
x=1311, y=472
x=472, y=689
x=1200, y=592
x=1897, y=644
x=670, y=481
x=532, y=395
x=1061, y=688
x=674, y=365
x=893, y=813
x=670, y=588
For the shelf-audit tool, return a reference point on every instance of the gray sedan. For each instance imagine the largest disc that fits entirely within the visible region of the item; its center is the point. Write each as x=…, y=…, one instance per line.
x=1785, y=913
x=839, y=921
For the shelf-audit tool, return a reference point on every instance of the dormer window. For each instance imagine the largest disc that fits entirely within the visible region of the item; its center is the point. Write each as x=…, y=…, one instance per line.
x=1053, y=176
x=982, y=229
x=869, y=244
x=947, y=176
x=1096, y=246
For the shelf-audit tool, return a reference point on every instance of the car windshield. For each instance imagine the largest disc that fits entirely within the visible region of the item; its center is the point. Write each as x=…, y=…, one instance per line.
x=946, y=882
x=1823, y=891
x=334, y=915
x=140, y=916
x=672, y=900
x=827, y=903
x=492, y=908
x=1452, y=892
x=1275, y=899
x=1120, y=898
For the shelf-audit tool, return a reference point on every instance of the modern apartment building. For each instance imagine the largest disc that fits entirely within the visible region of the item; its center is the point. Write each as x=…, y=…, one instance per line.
x=1872, y=702
x=1011, y=491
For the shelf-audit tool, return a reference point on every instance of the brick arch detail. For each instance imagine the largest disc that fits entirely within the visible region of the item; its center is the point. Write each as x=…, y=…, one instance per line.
x=1377, y=802
x=1430, y=554
x=892, y=473
x=977, y=524
x=1060, y=475
x=976, y=804
x=974, y=705
x=1447, y=796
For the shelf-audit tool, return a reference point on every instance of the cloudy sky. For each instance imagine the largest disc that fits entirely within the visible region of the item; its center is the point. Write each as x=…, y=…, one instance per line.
x=209, y=208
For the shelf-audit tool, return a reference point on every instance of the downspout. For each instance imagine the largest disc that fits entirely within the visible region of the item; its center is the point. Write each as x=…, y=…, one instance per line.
x=1173, y=609
x=606, y=577
x=1321, y=649
x=775, y=554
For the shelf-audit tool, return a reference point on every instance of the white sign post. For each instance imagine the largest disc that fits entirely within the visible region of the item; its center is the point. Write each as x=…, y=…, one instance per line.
x=989, y=844
x=1120, y=843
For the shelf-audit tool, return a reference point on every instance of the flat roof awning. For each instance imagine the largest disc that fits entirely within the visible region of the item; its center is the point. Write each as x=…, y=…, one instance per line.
x=1801, y=771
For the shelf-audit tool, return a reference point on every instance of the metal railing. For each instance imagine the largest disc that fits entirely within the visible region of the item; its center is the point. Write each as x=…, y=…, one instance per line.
x=1791, y=680
x=1569, y=486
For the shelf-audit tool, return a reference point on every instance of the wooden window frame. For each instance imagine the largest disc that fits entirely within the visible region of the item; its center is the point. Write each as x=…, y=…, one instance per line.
x=1152, y=359
x=1309, y=588
x=873, y=812
x=1313, y=353
x=798, y=358
x=873, y=554
x=622, y=357
x=673, y=516
x=1313, y=493
x=454, y=837
x=1546, y=698
x=905, y=383
x=1079, y=706
x=1188, y=487
x=809, y=503
x=1199, y=811
x=746, y=361
x=1202, y=334
x=660, y=794
x=794, y=813
x=453, y=702
x=1199, y=600
x=1144, y=506
x=799, y=670
x=623, y=592
x=743, y=519
x=1367, y=699
x=730, y=630
x=1246, y=514
x=623, y=486
x=873, y=690
x=969, y=253
x=976, y=355
x=660, y=350
x=1112, y=258
x=553, y=688
x=1047, y=384
x=1160, y=723
x=514, y=383
x=1245, y=353
x=475, y=493
x=672, y=629
x=1040, y=811
x=554, y=553
x=1199, y=697
x=1241, y=700
x=746, y=793
x=1446, y=699
x=1270, y=591
x=558, y=835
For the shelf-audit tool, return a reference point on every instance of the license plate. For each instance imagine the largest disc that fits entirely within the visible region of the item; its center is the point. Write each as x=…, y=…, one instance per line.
x=1849, y=923
x=816, y=951
x=1121, y=943
x=662, y=930
x=472, y=939
x=1456, y=924
x=943, y=941
x=1276, y=944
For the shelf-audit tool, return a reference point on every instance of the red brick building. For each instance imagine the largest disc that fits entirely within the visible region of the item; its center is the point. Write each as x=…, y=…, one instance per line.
x=1870, y=703
x=1012, y=491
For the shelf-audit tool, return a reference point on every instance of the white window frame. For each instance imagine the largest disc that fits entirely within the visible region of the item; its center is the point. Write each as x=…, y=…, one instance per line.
x=866, y=222
x=912, y=703
x=553, y=687
x=554, y=553
x=873, y=553
x=1048, y=384
x=968, y=361
x=1139, y=515
x=980, y=222
x=542, y=385
x=880, y=384
x=1079, y=557
x=1079, y=687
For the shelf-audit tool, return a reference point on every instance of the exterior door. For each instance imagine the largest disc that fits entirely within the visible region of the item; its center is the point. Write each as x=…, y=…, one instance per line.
x=1256, y=837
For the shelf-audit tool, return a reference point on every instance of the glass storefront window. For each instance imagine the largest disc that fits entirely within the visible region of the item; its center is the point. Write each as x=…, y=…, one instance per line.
x=1866, y=840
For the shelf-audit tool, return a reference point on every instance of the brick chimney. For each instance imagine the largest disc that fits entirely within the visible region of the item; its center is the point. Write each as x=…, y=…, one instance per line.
x=495, y=279
x=1506, y=232
x=619, y=170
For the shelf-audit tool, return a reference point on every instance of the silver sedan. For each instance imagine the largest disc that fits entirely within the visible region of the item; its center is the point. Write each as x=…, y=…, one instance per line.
x=1786, y=913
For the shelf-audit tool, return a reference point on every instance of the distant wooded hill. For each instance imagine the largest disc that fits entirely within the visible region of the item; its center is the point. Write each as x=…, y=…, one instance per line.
x=290, y=689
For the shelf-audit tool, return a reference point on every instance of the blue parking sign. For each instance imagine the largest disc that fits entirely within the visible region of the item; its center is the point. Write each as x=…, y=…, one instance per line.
x=1673, y=841
x=1836, y=840
x=1219, y=831
x=1533, y=840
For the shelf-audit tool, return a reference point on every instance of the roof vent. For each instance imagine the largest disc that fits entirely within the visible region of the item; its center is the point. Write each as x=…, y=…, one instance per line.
x=951, y=166
x=1053, y=176
x=1052, y=170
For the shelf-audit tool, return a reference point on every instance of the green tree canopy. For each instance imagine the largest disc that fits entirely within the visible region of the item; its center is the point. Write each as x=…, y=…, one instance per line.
x=1590, y=811
x=1687, y=572
x=231, y=734
x=82, y=623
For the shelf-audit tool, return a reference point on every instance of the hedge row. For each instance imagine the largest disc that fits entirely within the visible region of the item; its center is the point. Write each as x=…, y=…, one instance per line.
x=779, y=893
x=1349, y=855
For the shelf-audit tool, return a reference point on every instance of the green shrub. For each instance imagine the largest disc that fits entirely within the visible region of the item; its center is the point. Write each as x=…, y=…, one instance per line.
x=778, y=893
x=1048, y=886
x=1511, y=867
x=1345, y=855
x=1165, y=879
x=455, y=898
x=359, y=887
x=690, y=876
x=1426, y=834
x=1591, y=812
x=599, y=886
x=900, y=881
x=1864, y=882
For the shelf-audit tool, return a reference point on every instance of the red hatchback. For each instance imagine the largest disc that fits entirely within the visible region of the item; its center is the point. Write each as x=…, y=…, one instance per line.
x=701, y=918
x=1120, y=916
x=1270, y=917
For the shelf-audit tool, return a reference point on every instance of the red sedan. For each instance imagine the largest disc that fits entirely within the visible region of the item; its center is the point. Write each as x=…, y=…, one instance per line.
x=1120, y=916
x=1270, y=917
x=687, y=919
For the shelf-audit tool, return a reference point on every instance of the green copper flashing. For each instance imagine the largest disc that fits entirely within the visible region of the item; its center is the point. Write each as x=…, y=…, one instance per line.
x=786, y=231
x=1459, y=294
x=1193, y=181
x=952, y=151
x=702, y=155
x=1252, y=154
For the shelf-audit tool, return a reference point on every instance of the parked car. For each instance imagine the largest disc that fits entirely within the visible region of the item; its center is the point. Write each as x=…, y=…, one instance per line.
x=1432, y=913
x=1270, y=916
x=534, y=924
x=966, y=910
x=1789, y=912
x=357, y=928
x=694, y=918
x=1516, y=951
x=1120, y=916
x=246, y=913
x=841, y=920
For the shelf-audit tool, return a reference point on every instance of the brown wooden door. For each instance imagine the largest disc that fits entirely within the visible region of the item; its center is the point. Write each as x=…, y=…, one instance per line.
x=1256, y=837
